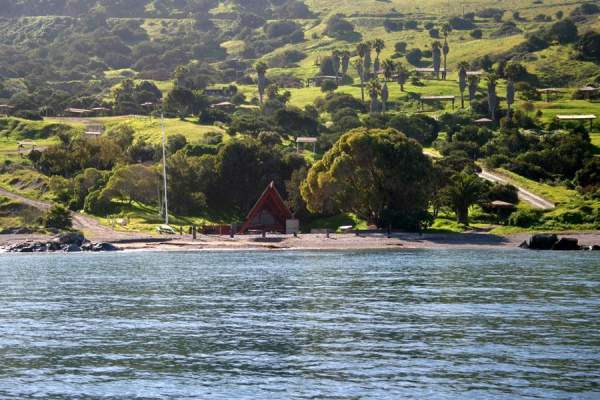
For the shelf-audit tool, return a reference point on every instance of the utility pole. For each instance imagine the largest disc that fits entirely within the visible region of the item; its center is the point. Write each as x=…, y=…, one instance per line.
x=164, y=154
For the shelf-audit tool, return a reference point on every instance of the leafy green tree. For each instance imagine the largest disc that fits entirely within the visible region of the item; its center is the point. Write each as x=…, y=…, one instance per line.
x=134, y=182
x=379, y=175
x=389, y=67
x=329, y=86
x=464, y=191
x=58, y=217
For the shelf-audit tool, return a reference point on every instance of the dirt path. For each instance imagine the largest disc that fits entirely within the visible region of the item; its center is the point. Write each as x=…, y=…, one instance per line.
x=92, y=229
x=525, y=195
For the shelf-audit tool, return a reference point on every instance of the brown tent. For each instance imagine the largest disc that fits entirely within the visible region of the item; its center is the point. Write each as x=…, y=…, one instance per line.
x=269, y=214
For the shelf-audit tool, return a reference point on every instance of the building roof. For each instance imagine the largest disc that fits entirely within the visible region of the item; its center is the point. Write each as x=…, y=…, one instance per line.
x=483, y=121
x=575, y=117
x=501, y=204
x=428, y=69
x=270, y=202
x=77, y=110
x=550, y=90
x=223, y=104
x=438, y=97
x=474, y=73
x=589, y=89
x=305, y=139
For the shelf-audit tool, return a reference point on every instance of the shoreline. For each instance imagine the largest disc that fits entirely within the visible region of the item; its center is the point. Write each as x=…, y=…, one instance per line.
x=318, y=242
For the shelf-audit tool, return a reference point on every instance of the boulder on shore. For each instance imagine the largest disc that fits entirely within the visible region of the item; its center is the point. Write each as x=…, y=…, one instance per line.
x=542, y=241
x=75, y=238
x=69, y=242
x=566, y=244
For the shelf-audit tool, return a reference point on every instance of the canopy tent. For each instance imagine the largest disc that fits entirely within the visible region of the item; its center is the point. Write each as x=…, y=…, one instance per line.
x=269, y=214
x=549, y=91
x=424, y=99
x=577, y=117
x=305, y=139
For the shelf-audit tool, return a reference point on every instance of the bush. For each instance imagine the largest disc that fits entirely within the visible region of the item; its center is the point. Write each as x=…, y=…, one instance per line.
x=58, y=217
x=525, y=218
x=400, y=47
x=328, y=86
x=476, y=33
x=414, y=56
x=459, y=23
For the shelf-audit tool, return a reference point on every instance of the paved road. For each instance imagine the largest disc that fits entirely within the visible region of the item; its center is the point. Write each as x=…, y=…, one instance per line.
x=91, y=227
x=525, y=195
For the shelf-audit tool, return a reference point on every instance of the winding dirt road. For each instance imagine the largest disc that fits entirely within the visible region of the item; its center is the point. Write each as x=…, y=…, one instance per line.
x=92, y=229
x=525, y=195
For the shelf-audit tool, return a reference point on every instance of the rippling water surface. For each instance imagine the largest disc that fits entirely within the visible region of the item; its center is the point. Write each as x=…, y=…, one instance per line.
x=301, y=325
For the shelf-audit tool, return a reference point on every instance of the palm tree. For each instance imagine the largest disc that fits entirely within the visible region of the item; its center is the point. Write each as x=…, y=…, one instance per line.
x=510, y=95
x=445, y=51
x=389, y=67
x=359, y=66
x=436, y=56
x=345, y=62
x=378, y=45
x=473, y=86
x=446, y=29
x=403, y=75
x=492, y=80
x=464, y=191
x=261, y=71
x=367, y=61
x=374, y=88
x=462, y=82
x=385, y=95
x=336, y=62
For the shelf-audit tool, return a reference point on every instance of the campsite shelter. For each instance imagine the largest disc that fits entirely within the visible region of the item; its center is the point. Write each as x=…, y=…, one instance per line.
x=428, y=99
x=577, y=117
x=269, y=214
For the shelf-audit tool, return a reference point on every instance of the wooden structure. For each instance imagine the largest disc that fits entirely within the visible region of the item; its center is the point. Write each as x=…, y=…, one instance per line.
x=77, y=112
x=483, y=121
x=316, y=81
x=22, y=146
x=223, y=91
x=94, y=131
x=305, y=140
x=224, y=105
x=548, y=92
x=588, y=91
x=100, y=110
x=425, y=99
x=475, y=73
x=578, y=117
x=269, y=214
x=428, y=70
x=5, y=109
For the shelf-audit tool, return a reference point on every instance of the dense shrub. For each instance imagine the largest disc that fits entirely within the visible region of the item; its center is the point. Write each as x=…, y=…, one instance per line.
x=525, y=218
x=58, y=217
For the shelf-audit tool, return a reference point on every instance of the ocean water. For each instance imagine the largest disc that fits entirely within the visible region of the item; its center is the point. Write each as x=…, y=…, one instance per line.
x=439, y=324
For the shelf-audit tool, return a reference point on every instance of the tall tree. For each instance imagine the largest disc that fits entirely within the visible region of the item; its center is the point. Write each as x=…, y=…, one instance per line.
x=445, y=51
x=462, y=82
x=436, y=55
x=510, y=96
x=367, y=61
x=379, y=175
x=492, y=81
x=389, y=67
x=337, y=63
x=464, y=191
x=385, y=95
x=403, y=75
x=261, y=71
x=473, y=86
x=359, y=66
x=345, y=62
x=374, y=89
x=378, y=45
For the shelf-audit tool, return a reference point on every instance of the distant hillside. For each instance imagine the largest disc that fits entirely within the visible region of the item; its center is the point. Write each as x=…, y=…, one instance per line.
x=84, y=48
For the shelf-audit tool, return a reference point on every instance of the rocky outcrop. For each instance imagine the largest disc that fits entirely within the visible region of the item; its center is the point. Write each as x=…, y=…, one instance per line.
x=566, y=244
x=71, y=242
x=553, y=242
x=542, y=242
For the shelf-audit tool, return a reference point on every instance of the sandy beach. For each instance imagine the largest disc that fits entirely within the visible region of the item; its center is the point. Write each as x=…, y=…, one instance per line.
x=349, y=241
